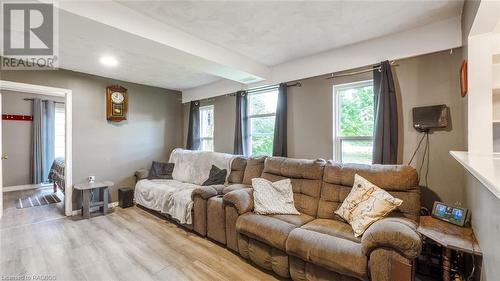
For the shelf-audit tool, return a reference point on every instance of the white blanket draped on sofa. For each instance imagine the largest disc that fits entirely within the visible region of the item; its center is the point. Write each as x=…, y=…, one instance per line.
x=173, y=197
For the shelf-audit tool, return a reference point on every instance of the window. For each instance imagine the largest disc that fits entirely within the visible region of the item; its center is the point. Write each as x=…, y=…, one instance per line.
x=60, y=122
x=207, y=127
x=353, y=119
x=262, y=115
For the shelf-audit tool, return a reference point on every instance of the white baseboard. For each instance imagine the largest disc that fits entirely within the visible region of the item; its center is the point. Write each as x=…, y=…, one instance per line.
x=93, y=209
x=25, y=187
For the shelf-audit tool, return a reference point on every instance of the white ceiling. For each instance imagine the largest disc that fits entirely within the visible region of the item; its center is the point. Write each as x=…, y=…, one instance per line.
x=273, y=32
x=182, y=45
x=83, y=42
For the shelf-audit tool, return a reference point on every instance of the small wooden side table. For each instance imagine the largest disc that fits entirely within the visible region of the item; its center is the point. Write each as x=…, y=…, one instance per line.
x=450, y=237
x=86, y=189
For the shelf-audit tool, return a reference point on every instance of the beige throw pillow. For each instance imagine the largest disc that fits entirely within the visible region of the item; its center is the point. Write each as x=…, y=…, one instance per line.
x=360, y=191
x=379, y=204
x=273, y=198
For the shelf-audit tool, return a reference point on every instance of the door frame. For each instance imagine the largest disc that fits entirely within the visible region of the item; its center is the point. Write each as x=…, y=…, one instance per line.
x=68, y=101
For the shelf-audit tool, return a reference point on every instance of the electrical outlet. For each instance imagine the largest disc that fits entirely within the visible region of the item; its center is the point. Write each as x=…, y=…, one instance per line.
x=91, y=178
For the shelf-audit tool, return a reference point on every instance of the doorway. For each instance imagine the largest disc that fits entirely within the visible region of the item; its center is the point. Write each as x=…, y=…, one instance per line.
x=56, y=173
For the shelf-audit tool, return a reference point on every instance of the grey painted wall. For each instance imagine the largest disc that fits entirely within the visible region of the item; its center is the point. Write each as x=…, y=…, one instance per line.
x=17, y=138
x=114, y=151
x=424, y=80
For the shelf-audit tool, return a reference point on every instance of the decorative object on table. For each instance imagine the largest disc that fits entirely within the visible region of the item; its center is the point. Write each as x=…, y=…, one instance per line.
x=116, y=103
x=217, y=176
x=161, y=170
x=452, y=214
x=463, y=79
x=87, y=189
x=457, y=244
x=91, y=179
x=125, y=197
x=37, y=200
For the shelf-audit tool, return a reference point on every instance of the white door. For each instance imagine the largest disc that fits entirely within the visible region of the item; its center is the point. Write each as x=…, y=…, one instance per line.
x=1, y=155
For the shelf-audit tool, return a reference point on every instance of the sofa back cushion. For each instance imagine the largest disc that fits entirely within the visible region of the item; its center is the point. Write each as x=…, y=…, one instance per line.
x=399, y=180
x=253, y=169
x=305, y=175
x=237, y=170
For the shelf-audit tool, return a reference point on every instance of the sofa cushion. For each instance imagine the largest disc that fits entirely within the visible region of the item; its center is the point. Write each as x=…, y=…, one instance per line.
x=237, y=170
x=272, y=230
x=332, y=252
x=332, y=227
x=399, y=180
x=253, y=169
x=305, y=175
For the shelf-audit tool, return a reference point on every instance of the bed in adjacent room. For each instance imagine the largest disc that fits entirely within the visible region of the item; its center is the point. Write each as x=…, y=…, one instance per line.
x=56, y=174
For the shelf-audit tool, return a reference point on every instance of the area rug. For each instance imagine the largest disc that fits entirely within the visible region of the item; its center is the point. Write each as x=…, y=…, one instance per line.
x=37, y=200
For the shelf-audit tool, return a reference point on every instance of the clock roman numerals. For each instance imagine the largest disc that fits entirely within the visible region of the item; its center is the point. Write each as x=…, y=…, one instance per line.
x=116, y=103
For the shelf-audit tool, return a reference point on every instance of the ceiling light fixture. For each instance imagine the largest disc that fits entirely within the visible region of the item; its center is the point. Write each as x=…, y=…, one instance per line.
x=109, y=61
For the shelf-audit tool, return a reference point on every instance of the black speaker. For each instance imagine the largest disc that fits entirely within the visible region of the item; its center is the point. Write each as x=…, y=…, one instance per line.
x=125, y=197
x=430, y=117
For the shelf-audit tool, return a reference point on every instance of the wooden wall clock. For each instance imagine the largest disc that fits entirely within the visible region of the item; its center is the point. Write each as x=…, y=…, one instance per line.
x=116, y=103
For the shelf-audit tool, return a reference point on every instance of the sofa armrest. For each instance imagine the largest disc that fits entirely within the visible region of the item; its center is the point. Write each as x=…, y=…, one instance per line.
x=241, y=199
x=232, y=187
x=141, y=174
x=204, y=192
x=399, y=234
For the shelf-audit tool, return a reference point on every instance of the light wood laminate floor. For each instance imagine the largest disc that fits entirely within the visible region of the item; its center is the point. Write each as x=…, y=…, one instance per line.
x=13, y=217
x=128, y=244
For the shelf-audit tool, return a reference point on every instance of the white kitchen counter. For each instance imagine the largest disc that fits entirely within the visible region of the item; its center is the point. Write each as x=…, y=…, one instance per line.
x=485, y=167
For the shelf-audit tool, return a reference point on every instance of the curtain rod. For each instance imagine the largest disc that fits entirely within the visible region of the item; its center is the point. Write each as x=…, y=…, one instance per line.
x=372, y=68
x=254, y=90
x=263, y=88
x=44, y=100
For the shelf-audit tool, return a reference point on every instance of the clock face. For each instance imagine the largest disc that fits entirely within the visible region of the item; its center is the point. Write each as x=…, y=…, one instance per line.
x=117, y=97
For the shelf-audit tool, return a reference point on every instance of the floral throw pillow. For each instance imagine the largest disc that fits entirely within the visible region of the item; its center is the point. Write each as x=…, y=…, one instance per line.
x=379, y=204
x=360, y=191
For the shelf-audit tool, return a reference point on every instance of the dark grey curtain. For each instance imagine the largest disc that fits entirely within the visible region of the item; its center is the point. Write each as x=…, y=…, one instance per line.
x=279, y=142
x=385, y=135
x=241, y=126
x=193, y=139
x=43, y=137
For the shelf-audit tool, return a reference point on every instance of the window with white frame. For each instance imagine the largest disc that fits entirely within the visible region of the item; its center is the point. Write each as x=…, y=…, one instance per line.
x=60, y=127
x=353, y=121
x=207, y=128
x=261, y=118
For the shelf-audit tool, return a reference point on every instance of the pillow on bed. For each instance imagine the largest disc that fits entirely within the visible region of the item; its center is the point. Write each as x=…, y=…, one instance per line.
x=160, y=170
x=217, y=176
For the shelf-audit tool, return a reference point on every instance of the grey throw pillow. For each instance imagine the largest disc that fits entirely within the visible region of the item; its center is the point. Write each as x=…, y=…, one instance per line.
x=160, y=170
x=217, y=176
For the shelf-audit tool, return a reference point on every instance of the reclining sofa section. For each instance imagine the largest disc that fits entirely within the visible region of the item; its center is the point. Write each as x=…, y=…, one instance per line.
x=316, y=244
